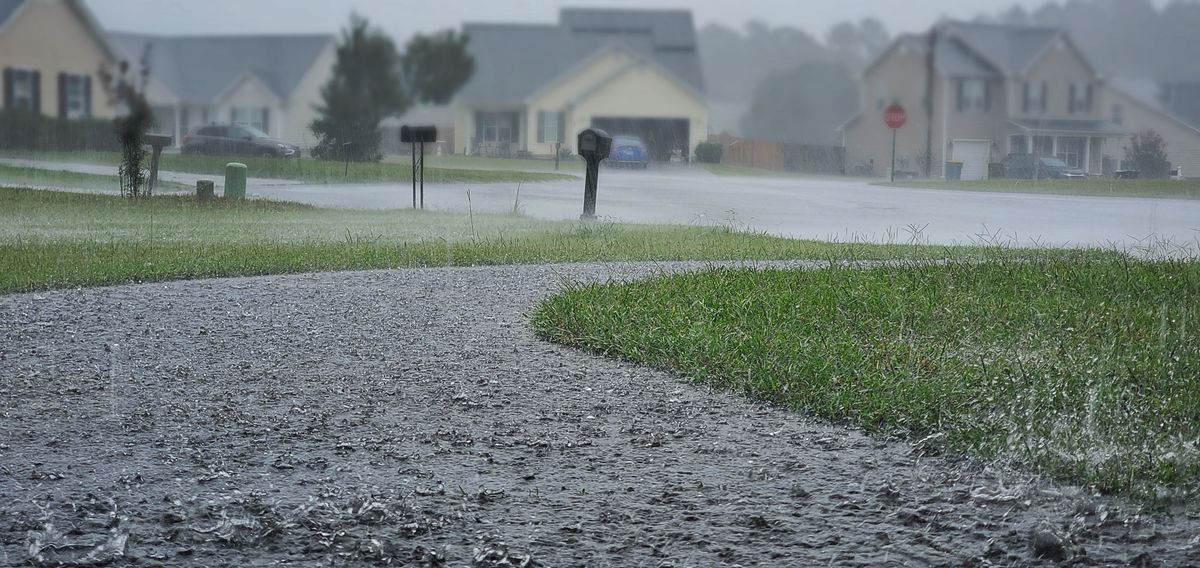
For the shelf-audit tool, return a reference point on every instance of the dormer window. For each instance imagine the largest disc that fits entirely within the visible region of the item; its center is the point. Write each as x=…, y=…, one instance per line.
x=1080, y=99
x=1035, y=97
x=972, y=95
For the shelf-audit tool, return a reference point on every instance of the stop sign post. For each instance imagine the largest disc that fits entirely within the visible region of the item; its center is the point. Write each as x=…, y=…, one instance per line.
x=895, y=117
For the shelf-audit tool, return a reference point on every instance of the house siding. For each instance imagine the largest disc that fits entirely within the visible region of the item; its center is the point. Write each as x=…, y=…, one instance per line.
x=72, y=48
x=898, y=78
x=1183, y=143
x=300, y=108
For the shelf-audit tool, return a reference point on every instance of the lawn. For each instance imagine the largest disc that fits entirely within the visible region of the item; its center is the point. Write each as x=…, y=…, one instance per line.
x=310, y=170
x=55, y=239
x=35, y=177
x=1086, y=369
x=572, y=164
x=1100, y=187
x=726, y=170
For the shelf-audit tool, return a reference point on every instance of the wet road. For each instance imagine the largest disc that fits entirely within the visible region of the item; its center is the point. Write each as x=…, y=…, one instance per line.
x=817, y=208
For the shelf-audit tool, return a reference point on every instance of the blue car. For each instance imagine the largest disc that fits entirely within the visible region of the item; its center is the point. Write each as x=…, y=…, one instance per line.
x=628, y=151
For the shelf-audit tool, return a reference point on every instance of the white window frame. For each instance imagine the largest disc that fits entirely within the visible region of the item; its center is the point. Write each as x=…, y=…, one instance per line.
x=22, y=89
x=495, y=129
x=76, y=96
x=974, y=94
x=247, y=116
x=1080, y=98
x=1072, y=156
x=550, y=127
x=1034, y=101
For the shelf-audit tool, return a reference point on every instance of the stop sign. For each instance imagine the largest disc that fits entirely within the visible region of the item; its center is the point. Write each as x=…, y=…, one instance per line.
x=894, y=116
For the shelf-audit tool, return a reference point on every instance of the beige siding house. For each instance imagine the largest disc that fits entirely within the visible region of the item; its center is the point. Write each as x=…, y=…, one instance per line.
x=270, y=82
x=56, y=74
x=1139, y=105
x=997, y=89
x=630, y=72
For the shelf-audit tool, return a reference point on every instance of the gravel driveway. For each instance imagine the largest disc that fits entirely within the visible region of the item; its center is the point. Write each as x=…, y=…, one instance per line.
x=410, y=417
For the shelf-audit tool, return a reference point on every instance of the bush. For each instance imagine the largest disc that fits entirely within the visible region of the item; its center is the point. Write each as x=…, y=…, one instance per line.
x=24, y=130
x=709, y=152
x=1148, y=153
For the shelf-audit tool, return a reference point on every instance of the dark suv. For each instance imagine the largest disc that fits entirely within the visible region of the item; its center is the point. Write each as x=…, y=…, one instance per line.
x=1029, y=166
x=236, y=140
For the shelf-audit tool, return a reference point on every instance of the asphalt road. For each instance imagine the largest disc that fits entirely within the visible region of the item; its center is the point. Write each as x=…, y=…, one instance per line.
x=816, y=208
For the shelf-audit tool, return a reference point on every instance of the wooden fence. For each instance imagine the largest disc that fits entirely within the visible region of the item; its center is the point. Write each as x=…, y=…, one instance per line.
x=780, y=156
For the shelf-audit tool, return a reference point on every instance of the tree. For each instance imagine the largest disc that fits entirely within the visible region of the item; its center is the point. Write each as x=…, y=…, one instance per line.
x=372, y=81
x=804, y=105
x=1148, y=153
x=134, y=118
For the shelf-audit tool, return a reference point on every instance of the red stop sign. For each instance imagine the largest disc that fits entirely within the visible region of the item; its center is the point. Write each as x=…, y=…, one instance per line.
x=894, y=116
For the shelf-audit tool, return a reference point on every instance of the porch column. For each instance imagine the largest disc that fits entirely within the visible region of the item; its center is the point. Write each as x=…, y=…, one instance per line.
x=178, y=124
x=1029, y=144
x=1087, y=155
x=1054, y=146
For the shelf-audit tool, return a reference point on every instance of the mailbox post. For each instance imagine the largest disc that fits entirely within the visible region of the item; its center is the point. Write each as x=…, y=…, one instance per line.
x=156, y=142
x=416, y=136
x=594, y=145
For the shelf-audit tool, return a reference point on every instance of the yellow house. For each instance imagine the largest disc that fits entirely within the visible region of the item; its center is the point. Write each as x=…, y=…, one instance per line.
x=51, y=53
x=629, y=72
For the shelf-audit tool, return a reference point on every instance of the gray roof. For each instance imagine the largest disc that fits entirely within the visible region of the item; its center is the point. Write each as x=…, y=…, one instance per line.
x=8, y=8
x=200, y=68
x=513, y=61
x=982, y=49
x=1149, y=92
x=1072, y=126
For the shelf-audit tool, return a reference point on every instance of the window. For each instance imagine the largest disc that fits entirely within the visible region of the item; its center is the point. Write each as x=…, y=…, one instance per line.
x=497, y=128
x=74, y=96
x=1118, y=114
x=1018, y=144
x=550, y=127
x=21, y=89
x=1070, y=150
x=972, y=94
x=250, y=116
x=1035, y=97
x=1080, y=100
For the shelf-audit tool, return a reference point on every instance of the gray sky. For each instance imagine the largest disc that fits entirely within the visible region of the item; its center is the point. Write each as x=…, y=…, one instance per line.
x=403, y=17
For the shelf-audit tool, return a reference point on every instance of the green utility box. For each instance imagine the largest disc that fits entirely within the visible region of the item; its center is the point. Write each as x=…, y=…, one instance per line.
x=953, y=171
x=235, y=180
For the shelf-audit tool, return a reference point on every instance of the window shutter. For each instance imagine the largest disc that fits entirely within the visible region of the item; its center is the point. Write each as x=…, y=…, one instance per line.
x=961, y=100
x=1071, y=99
x=987, y=96
x=37, y=92
x=1025, y=99
x=8, y=87
x=562, y=127
x=541, y=127
x=87, y=95
x=1089, y=97
x=1045, y=96
x=62, y=95
x=267, y=120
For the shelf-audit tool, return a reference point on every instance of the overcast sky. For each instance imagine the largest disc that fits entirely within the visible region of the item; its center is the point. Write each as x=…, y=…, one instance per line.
x=403, y=17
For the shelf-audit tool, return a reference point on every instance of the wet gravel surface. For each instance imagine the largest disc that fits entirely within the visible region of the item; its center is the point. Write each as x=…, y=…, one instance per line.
x=411, y=417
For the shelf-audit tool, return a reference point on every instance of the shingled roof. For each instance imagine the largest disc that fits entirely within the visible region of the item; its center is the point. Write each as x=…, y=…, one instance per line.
x=200, y=68
x=513, y=61
x=8, y=8
x=985, y=49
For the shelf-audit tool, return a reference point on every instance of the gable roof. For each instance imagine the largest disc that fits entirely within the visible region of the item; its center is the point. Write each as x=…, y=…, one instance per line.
x=201, y=68
x=513, y=61
x=983, y=49
x=10, y=8
x=1148, y=92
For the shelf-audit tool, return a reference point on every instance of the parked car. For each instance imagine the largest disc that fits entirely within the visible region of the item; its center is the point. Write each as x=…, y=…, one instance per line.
x=629, y=151
x=236, y=140
x=1029, y=166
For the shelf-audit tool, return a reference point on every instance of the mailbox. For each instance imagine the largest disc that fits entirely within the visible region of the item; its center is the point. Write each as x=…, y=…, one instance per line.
x=595, y=144
x=418, y=134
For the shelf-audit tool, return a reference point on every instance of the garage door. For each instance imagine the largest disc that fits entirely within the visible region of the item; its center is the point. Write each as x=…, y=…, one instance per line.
x=974, y=157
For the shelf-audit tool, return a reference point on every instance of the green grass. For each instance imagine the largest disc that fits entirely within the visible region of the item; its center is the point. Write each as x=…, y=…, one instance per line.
x=461, y=162
x=1084, y=368
x=1101, y=187
x=309, y=170
x=16, y=175
x=54, y=239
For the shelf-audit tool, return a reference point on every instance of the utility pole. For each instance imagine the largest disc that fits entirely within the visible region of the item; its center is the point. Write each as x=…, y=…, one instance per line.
x=930, y=86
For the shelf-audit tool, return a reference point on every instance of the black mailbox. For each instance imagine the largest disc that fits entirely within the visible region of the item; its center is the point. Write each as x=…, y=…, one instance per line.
x=594, y=145
x=594, y=142
x=418, y=134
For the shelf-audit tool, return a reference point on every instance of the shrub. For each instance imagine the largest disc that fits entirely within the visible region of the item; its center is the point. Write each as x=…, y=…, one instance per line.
x=709, y=152
x=1148, y=153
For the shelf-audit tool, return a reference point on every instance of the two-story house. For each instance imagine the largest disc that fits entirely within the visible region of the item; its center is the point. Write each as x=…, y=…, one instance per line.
x=51, y=53
x=995, y=89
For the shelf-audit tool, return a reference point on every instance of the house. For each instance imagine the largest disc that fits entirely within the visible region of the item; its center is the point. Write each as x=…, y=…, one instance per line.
x=996, y=89
x=634, y=72
x=1146, y=104
x=269, y=82
x=56, y=74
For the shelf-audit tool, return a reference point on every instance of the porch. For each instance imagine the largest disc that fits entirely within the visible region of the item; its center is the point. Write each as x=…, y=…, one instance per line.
x=1079, y=143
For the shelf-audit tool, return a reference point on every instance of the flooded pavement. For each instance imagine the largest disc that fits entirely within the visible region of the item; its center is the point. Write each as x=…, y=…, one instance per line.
x=410, y=417
x=823, y=208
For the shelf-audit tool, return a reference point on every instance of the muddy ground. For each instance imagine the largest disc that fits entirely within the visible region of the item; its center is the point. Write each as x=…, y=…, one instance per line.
x=410, y=417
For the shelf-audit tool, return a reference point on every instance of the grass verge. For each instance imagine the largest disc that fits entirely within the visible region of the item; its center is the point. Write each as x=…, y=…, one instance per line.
x=56, y=239
x=1087, y=368
x=308, y=170
x=36, y=177
x=1096, y=187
